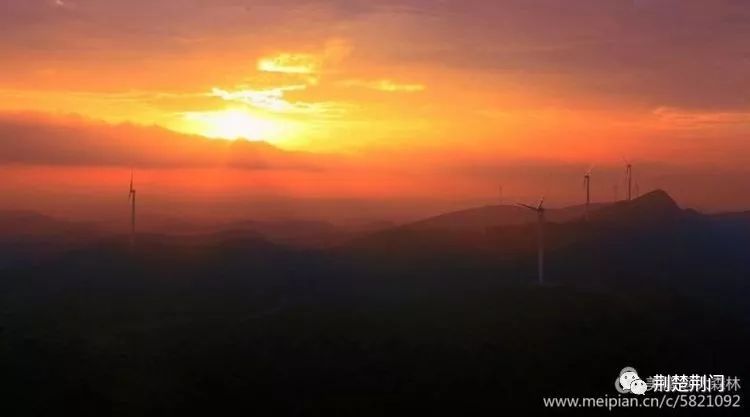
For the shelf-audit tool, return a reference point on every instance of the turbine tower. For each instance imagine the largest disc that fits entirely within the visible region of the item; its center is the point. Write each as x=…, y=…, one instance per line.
x=587, y=186
x=629, y=178
x=539, y=209
x=131, y=199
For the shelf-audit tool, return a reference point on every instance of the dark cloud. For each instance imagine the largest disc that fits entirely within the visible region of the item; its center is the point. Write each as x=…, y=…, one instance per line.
x=75, y=142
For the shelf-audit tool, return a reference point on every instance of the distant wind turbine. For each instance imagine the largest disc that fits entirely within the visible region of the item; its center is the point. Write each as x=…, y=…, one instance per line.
x=539, y=209
x=131, y=199
x=629, y=178
x=587, y=186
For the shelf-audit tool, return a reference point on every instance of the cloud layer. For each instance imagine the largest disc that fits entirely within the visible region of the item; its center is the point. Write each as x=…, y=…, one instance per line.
x=40, y=140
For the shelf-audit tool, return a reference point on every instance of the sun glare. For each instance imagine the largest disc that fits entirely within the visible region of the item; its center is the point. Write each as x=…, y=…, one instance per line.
x=232, y=124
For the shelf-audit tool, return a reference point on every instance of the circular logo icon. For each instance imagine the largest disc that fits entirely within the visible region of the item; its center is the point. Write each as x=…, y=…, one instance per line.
x=624, y=381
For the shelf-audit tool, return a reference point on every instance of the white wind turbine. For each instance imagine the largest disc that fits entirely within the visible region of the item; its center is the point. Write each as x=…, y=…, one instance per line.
x=629, y=178
x=131, y=199
x=539, y=209
x=587, y=186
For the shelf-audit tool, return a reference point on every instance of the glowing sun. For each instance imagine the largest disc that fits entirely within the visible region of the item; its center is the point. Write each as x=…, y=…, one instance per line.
x=232, y=124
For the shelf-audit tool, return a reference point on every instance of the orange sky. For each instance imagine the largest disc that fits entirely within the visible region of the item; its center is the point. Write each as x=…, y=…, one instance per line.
x=394, y=89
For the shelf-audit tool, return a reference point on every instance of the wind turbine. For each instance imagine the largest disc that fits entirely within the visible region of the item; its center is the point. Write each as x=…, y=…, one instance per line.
x=629, y=178
x=131, y=199
x=539, y=209
x=587, y=186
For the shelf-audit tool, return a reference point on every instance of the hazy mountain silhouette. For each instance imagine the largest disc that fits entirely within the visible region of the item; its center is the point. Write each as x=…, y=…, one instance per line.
x=481, y=218
x=649, y=241
x=29, y=223
x=466, y=234
x=305, y=233
x=28, y=236
x=650, y=209
x=506, y=229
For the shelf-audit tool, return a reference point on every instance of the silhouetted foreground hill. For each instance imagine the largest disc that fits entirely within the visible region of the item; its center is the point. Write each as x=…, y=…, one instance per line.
x=402, y=322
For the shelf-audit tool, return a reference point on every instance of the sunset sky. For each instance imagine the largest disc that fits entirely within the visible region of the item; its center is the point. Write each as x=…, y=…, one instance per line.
x=388, y=99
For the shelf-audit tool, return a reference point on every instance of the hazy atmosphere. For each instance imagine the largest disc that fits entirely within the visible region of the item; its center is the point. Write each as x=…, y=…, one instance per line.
x=367, y=208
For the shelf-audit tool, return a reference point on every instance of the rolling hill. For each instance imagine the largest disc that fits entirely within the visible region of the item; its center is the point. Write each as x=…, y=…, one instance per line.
x=481, y=218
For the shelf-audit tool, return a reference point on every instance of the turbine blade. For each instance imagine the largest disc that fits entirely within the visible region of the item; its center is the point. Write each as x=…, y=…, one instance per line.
x=527, y=206
x=541, y=202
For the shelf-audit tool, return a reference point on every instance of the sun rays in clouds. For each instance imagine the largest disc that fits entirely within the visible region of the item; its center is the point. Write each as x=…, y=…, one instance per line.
x=291, y=97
